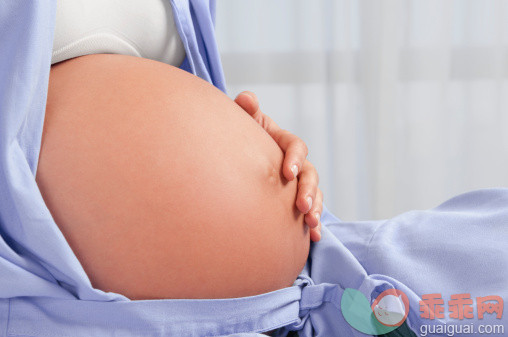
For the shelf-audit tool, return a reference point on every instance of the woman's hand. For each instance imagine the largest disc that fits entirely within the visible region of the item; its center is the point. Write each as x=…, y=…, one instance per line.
x=309, y=198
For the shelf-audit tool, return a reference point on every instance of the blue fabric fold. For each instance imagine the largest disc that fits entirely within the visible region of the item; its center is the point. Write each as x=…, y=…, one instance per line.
x=195, y=23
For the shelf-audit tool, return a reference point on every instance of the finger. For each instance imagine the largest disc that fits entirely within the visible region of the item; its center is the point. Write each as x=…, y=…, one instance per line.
x=248, y=101
x=295, y=153
x=315, y=233
x=313, y=217
x=295, y=150
x=307, y=188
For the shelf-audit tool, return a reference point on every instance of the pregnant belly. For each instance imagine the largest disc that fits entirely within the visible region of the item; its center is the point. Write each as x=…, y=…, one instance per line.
x=162, y=186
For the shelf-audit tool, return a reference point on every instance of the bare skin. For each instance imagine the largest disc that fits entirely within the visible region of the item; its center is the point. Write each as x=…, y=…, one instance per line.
x=310, y=197
x=163, y=186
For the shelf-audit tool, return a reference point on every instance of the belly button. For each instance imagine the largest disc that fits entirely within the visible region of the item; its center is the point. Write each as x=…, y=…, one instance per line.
x=275, y=176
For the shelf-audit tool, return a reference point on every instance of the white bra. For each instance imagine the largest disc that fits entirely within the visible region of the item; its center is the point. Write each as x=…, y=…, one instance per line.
x=143, y=28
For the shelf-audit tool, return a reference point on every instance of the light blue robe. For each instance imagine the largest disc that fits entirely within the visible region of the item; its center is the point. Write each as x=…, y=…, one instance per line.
x=460, y=246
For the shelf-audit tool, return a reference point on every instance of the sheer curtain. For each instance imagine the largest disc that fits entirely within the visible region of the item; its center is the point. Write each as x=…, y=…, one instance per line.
x=403, y=104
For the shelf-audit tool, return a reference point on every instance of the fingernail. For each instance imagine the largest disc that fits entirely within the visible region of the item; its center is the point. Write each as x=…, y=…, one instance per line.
x=317, y=216
x=294, y=169
x=309, y=202
x=248, y=94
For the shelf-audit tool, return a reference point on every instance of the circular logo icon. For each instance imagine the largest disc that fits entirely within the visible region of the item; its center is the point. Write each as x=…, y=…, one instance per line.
x=391, y=307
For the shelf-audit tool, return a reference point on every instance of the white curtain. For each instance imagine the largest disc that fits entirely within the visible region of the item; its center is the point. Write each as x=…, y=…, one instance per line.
x=403, y=104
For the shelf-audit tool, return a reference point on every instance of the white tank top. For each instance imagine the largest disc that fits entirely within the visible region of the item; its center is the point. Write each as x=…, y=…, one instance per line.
x=143, y=28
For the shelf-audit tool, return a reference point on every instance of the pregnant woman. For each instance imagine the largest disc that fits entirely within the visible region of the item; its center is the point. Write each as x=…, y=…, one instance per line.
x=139, y=200
x=158, y=170
x=169, y=179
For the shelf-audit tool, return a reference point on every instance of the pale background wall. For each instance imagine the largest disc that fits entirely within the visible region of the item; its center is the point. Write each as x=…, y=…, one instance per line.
x=402, y=103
